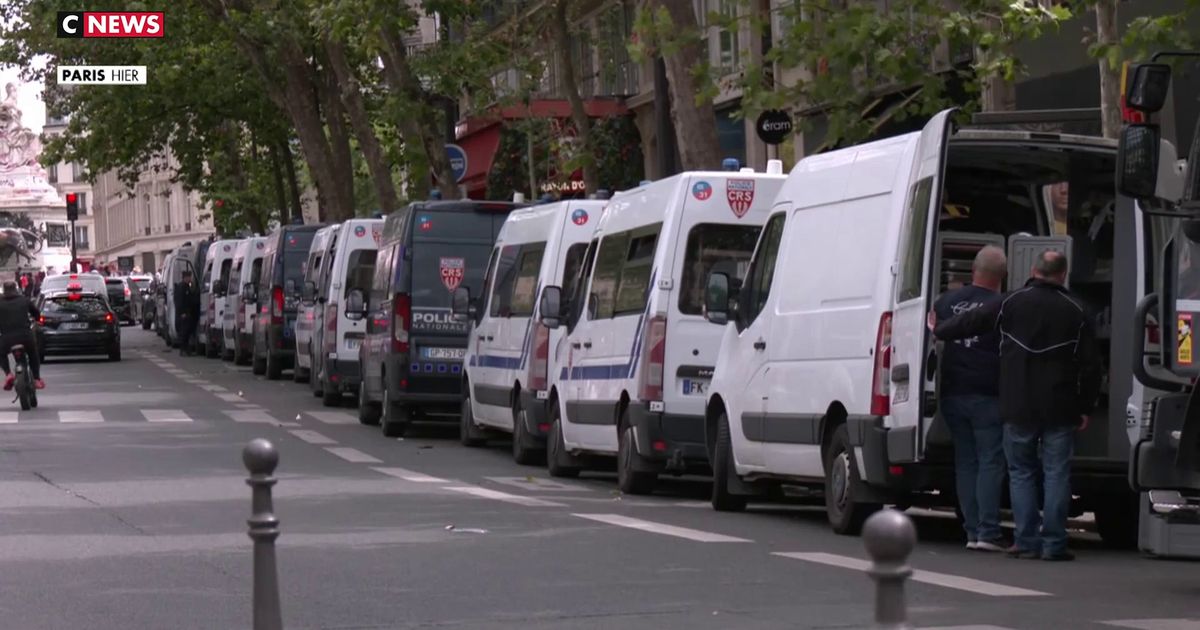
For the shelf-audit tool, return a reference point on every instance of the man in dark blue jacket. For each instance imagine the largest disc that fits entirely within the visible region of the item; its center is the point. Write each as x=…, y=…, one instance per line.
x=969, y=391
x=1050, y=378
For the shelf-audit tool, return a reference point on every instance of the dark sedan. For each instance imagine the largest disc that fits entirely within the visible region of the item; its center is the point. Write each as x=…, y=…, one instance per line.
x=120, y=296
x=75, y=323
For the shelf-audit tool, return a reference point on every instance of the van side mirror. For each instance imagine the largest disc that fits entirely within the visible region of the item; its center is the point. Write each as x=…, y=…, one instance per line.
x=550, y=307
x=460, y=305
x=716, y=299
x=356, y=305
x=1137, y=161
x=1148, y=87
x=250, y=293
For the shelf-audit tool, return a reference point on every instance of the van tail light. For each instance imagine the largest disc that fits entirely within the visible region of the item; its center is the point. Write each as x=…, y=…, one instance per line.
x=108, y=318
x=654, y=354
x=127, y=292
x=41, y=320
x=881, y=377
x=277, y=306
x=539, y=363
x=401, y=322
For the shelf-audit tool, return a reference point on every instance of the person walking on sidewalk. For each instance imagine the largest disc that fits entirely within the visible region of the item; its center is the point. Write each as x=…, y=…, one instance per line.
x=1049, y=381
x=970, y=405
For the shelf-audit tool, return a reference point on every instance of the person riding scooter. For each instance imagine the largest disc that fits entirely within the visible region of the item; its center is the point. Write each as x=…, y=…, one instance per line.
x=17, y=314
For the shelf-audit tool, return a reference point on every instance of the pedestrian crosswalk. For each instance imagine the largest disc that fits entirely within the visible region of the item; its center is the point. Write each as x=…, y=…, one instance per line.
x=1135, y=624
x=243, y=414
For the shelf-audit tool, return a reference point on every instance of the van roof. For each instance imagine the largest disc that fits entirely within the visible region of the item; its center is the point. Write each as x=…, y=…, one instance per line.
x=465, y=205
x=1027, y=136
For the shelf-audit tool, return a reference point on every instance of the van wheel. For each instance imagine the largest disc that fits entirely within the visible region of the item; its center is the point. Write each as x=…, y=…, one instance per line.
x=145, y=324
x=212, y=350
x=724, y=500
x=331, y=396
x=631, y=481
x=394, y=419
x=257, y=366
x=274, y=367
x=368, y=412
x=525, y=450
x=314, y=377
x=468, y=433
x=846, y=516
x=558, y=460
x=114, y=353
x=1117, y=520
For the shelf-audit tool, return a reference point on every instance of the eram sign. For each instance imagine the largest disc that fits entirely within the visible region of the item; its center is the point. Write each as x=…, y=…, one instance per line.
x=458, y=161
x=773, y=126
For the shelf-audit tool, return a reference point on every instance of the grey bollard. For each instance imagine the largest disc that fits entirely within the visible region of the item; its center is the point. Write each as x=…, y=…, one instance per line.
x=890, y=538
x=260, y=458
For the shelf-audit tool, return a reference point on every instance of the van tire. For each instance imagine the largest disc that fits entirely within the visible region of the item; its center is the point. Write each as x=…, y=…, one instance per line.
x=314, y=378
x=331, y=396
x=274, y=367
x=557, y=459
x=469, y=434
x=146, y=324
x=846, y=516
x=723, y=499
x=394, y=419
x=524, y=452
x=212, y=350
x=630, y=481
x=258, y=366
x=368, y=412
x=1117, y=520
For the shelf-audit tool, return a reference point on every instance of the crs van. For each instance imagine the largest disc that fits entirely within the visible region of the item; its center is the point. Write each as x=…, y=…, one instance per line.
x=318, y=254
x=507, y=366
x=240, y=297
x=278, y=298
x=336, y=337
x=639, y=353
x=218, y=261
x=411, y=359
x=828, y=375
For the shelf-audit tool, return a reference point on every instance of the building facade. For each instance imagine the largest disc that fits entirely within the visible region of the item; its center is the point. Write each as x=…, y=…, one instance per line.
x=71, y=177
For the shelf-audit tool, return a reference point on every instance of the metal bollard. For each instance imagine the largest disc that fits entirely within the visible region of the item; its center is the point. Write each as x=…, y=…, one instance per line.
x=260, y=458
x=890, y=538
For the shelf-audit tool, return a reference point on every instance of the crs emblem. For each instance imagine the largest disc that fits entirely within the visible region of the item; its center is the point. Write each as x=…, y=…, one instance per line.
x=360, y=231
x=702, y=190
x=452, y=270
x=258, y=245
x=579, y=217
x=377, y=234
x=740, y=195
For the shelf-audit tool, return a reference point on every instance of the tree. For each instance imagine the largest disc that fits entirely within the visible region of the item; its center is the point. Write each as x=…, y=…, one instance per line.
x=561, y=30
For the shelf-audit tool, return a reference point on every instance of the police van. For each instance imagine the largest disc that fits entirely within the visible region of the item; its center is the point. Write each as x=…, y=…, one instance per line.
x=306, y=315
x=240, y=298
x=507, y=365
x=179, y=261
x=411, y=358
x=213, y=286
x=348, y=266
x=638, y=356
x=829, y=376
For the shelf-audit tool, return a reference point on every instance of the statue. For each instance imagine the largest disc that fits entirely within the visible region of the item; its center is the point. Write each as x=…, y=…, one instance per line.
x=18, y=237
x=19, y=146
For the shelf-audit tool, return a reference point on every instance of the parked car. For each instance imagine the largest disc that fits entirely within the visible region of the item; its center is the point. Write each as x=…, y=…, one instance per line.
x=411, y=360
x=120, y=296
x=282, y=275
x=241, y=308
x=89, y=282
x=218, y=261
x=315, y=273
x=142, y=285
x=506, y=372
x=77, y=321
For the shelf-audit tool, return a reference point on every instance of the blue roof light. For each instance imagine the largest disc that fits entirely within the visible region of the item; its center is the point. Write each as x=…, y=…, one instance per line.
x=730, y=164
x=435, y=194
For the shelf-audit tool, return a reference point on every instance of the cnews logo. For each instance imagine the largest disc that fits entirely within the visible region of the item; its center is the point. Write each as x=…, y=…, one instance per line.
x=75, y=24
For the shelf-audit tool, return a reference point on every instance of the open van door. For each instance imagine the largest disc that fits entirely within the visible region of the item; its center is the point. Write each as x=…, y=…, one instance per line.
x=911, y=391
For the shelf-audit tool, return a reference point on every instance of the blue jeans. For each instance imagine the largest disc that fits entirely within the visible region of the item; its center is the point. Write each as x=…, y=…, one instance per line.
x=978, y=433
x=1057, y=445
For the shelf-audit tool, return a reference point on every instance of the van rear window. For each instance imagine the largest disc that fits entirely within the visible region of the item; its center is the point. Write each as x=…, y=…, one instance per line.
x=474, y=226
x=713, y=247
x=360, y=269
x=439, y=269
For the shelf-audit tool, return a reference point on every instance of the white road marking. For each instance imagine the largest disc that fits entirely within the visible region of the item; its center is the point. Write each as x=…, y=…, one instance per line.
x=410, y=475
x=969, y=628
x=662, y=528
x=496, y=495
x=214, y=388
x=538, y=484
x=957, y=582
x=312, y=437
x=352, y=455
x=1155, y=624
x=165, y=415
x=249, y=415
x=8, y=417
x=333, y=417
x=233, y=398
x=80, y=416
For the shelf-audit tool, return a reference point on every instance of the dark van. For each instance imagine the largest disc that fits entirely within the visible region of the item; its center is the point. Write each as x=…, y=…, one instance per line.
x=411, y=359
x=278, y=296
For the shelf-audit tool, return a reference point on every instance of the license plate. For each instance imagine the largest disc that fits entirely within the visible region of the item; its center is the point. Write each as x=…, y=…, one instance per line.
x=694, y=388
x=444, y=353
x=75, y=326
x=353, y=344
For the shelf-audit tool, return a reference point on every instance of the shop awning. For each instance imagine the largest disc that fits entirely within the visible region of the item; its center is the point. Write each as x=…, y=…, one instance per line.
x=480, y=148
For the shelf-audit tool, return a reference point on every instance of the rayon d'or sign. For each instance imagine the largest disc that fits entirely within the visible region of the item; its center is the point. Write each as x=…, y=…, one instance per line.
x=740, y=195
x=77, y=24
x=452, y=270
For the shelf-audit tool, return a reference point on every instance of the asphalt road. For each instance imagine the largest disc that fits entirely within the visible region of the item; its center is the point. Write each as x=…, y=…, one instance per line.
x=123, y=505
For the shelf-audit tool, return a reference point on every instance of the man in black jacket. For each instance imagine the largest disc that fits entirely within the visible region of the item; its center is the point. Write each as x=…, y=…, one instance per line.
x=187, y=311
x=1049, y=382
x=17, y=315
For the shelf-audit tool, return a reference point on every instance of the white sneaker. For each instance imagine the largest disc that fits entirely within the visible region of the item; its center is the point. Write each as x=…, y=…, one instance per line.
x=984, y=545
x=972, y=545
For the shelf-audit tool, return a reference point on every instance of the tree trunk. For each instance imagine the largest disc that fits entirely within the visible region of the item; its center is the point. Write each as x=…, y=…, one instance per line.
x=695, y=122
x=289, y=166
x=1110, y=77
x=425, y=128
x=368, y=141
x=277, y=181
x=339, y=142
x=583, y=124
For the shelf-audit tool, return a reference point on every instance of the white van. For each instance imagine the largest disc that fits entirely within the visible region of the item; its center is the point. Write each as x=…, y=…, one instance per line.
x=237, y=325
x=218, y=262
x=828, y=374
x=508, y=362
x=639, y=353
x=336, y=338
x=179, y=261
x=318, y=253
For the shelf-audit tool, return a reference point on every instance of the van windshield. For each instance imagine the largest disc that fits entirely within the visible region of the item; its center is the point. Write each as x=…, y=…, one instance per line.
x=360, y=269
x=295, y=254
x=439, y=269
x=714, y=247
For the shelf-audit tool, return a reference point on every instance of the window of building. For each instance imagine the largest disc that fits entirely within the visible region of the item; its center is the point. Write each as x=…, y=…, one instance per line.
x=78, y=173
x=52, y=174
x=57, y=235
x=731, y=135
x=81, y=237
x=725, y=43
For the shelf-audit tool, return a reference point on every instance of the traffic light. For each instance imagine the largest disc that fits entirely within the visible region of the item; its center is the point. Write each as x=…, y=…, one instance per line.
x=72, y=207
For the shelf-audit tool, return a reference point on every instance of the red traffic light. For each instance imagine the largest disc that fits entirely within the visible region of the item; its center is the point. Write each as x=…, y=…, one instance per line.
x=72, y=197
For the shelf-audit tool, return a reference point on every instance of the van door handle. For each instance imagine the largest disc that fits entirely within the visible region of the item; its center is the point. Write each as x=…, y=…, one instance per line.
x=480, y=338
x=489, y=337
x=587, y=344
x=760, y=345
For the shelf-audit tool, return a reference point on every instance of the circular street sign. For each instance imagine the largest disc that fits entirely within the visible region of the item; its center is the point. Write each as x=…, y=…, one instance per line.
x=458, y=161
x=773, y=126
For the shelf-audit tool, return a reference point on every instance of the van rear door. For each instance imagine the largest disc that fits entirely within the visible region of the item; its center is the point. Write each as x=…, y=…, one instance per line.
x=905, y=370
